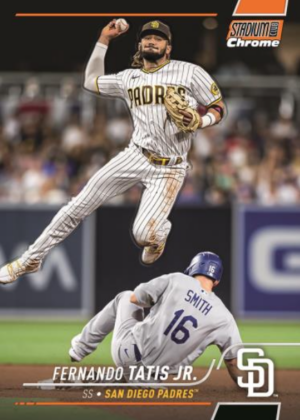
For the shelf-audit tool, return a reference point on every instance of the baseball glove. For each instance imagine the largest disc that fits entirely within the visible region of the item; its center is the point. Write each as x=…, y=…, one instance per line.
x=174, y=103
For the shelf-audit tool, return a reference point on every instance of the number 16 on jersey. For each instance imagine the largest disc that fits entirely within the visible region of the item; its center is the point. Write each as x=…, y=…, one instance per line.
x=180, y=334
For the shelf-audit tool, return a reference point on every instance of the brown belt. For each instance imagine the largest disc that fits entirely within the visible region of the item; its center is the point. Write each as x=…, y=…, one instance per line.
x=159, y=160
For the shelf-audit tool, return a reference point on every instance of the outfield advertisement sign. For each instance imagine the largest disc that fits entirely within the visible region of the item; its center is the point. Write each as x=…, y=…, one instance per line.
x=266, y=258
x=64, y=286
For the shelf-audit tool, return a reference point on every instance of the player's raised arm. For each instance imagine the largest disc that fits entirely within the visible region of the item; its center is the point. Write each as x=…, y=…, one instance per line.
x=95, y=65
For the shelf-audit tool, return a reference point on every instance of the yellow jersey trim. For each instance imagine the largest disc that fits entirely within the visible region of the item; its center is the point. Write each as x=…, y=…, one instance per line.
x=215, y=102
x=156, y=68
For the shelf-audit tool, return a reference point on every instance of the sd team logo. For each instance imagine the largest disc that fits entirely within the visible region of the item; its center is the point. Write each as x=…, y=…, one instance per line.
x=259, y=365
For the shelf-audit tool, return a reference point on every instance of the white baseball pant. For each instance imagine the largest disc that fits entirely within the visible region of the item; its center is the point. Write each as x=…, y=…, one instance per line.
x=162, y=185
x=119, y=316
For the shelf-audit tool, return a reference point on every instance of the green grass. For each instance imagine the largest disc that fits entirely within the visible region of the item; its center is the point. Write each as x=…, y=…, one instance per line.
x=45, y=342
x=9, y=411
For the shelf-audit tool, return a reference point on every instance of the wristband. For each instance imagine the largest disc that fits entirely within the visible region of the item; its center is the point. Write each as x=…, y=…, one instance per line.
x=219, y=109
x=208, y=119
x=99, y=44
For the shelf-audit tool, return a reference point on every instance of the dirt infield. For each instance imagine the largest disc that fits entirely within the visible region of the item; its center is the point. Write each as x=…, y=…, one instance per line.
x=218, y=388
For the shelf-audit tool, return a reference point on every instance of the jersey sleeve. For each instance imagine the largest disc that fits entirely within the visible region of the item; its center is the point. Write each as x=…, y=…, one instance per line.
x=148, y=294
x=204, y=88
x=190, y=359
x=229, y=336
x=111, y=85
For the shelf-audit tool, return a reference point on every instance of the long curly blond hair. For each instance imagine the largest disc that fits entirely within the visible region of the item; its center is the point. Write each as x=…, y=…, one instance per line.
x=137, y=60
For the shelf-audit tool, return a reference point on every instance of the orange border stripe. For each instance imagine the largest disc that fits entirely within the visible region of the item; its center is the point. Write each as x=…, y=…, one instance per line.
x=253, y=7
x=58, y=403
x=114, y=14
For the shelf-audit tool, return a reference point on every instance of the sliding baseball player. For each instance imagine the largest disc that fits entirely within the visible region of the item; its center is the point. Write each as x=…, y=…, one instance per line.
x=185, y=318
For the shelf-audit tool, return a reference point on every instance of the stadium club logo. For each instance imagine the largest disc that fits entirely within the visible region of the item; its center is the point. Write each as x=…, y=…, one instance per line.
x=254, y=33
x=257, y=375
x=257, y=33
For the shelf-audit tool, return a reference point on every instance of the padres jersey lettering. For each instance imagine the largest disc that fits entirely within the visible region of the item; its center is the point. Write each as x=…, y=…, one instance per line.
x=144, y=94
x=150, y=95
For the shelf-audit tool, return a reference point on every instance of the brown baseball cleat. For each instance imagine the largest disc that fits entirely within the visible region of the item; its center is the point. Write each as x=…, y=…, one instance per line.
x=12, y=271
x=152, y=253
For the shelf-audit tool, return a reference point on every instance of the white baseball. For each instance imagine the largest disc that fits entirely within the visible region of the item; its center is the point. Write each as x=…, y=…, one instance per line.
x=122, y=24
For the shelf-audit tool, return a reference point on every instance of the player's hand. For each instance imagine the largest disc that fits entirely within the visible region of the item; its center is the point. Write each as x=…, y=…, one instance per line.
x=187, y=117
x=111, y=31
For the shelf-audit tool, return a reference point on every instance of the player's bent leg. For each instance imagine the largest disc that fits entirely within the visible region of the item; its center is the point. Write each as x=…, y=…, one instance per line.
x=152, y=227
x=154, y=243
x=96, y=329
x=109, y=181
x=151, y=253
x=128, y=315
x=64, y=222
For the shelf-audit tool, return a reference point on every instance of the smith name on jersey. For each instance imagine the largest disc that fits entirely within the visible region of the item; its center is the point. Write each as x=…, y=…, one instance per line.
x=184, y=320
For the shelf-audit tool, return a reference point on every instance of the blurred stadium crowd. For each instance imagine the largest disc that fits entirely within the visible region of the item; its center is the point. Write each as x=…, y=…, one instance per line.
x=50, y=145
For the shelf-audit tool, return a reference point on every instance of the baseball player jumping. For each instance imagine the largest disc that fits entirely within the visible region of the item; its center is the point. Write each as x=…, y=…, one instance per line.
x=185, y=318
x=162, y=96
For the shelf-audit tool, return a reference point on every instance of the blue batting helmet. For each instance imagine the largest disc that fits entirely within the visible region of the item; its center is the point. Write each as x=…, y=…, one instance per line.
x=206, y=263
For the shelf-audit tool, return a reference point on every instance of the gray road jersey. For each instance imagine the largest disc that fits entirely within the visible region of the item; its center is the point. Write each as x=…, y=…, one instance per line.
x=183, y=321
x=144, y=94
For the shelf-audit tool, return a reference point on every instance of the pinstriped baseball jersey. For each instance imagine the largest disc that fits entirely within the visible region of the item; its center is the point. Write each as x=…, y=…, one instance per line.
x=184, y=320
x=144, y=94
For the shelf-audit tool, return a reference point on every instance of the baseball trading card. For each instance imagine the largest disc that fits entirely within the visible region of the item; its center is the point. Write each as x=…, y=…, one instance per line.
x=150, y=211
